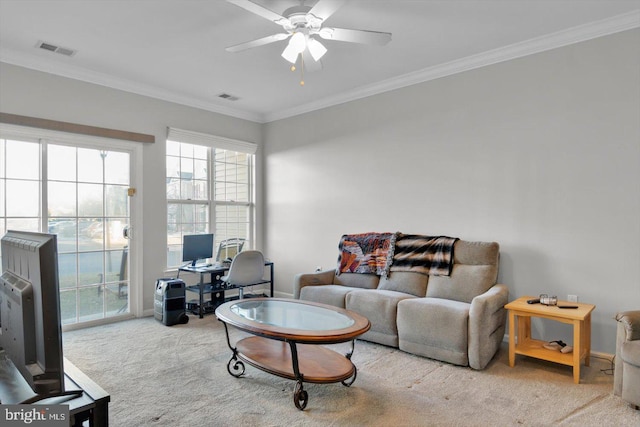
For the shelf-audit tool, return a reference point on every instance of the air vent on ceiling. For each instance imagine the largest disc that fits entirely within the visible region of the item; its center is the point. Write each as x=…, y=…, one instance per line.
x=228, y=97
x=57, y=49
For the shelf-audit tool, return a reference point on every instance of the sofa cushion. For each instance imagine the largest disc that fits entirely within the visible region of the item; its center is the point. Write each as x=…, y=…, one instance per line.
x=407, y=282
x=475, y=271
x=434, y=328
x=465, y=282
x=326, y=294
x=357, y=280
x=380, y=307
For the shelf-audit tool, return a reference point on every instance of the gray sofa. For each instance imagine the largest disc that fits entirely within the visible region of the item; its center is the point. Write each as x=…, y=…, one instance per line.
x=458, y=319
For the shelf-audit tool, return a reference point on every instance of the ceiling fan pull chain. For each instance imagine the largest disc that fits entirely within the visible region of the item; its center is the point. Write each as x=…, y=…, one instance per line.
x=301, y=70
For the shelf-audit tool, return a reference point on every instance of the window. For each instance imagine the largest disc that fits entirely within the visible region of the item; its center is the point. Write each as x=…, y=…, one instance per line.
x=79, y=193
x=187, y=195
x=209, y=189
x=20, y=180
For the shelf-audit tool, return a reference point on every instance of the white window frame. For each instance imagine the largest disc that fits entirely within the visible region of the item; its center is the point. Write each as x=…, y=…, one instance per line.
x=9, y=131
x=213, y=142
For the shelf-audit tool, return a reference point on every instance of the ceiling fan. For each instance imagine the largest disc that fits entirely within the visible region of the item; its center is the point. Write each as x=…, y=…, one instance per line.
x=301, y=25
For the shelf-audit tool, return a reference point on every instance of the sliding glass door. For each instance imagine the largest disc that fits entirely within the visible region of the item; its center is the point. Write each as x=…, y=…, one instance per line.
x=88, y=208
x=81, y=194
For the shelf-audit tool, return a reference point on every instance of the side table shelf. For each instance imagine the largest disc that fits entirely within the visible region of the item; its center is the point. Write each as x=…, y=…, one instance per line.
x=534, y=348
x=521, y=341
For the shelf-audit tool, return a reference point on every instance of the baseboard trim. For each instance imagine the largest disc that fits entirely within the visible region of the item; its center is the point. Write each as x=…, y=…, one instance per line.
x=279, y=294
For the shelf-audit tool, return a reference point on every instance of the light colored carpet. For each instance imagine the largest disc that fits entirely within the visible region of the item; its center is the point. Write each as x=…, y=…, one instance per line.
x=176, y=376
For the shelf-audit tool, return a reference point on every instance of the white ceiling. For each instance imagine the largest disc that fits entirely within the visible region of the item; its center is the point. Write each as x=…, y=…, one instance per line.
x=175, y=49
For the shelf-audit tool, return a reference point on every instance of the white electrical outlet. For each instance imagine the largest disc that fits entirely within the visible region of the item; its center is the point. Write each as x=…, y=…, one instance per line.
x=572, y=298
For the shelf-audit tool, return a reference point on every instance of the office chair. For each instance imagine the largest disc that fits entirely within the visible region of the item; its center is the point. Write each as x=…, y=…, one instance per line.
x=123, y=286
x=229, y=248
x=247, y=268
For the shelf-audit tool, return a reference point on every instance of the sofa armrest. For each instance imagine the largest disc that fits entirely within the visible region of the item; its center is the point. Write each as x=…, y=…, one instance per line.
x=487, y=323
x=312, y=279
x=630, y=320
x=628, y=329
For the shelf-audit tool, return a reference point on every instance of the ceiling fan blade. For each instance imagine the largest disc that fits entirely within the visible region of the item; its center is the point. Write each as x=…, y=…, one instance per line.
x=355, y=36
x=259, y=42
x=260, y=11
x=325, y=8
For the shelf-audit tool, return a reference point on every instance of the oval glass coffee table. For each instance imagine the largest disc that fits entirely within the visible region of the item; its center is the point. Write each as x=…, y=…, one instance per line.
x=286, y=340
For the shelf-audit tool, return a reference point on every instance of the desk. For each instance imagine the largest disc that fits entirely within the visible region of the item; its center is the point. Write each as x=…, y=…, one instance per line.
x=92, y=405
x=580, y=318
x=215, y=286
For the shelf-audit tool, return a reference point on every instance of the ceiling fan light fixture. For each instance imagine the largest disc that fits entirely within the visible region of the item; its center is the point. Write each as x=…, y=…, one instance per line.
x=290, y=54
x=316, y=49
x=301, y=24
x=298, y=42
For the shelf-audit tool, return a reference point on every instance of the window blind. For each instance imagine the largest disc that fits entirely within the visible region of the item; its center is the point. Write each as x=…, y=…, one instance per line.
x=34, y=122
x=191, y=137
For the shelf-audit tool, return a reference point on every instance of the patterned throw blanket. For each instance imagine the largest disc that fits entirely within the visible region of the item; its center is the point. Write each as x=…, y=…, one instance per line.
x=422, y=254
x=364, y=253
x=381, y=253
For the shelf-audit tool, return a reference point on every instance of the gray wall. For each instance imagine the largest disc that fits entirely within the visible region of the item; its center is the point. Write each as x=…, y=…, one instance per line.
x=541, y=154
x=36, y=94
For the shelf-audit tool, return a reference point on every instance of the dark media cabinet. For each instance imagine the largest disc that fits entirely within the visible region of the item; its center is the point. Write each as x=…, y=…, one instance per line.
x=91, y=406
x=210, y=283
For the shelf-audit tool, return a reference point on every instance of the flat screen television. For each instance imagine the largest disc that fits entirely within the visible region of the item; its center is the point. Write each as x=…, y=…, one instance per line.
x=196, y=247
x=31, y=334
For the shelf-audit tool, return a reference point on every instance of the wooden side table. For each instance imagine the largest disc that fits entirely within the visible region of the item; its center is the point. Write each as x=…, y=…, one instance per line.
x=579, y=317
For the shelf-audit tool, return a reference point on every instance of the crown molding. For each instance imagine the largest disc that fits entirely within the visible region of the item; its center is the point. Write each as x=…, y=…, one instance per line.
x=551, y=41
x=529, y=47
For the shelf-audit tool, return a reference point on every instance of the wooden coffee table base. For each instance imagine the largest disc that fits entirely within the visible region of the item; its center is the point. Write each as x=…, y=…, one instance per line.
x=316, y=364
x=301, y=362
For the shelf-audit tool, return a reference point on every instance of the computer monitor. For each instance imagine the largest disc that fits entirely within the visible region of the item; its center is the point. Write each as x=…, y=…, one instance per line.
x=196, y=247
x=31, y=334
